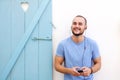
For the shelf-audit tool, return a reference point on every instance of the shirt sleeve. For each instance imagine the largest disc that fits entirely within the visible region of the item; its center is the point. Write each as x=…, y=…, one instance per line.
x=95, y=52
x=60, y=50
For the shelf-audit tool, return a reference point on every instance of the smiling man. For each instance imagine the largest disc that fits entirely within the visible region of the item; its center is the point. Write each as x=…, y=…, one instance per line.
x=79, y=53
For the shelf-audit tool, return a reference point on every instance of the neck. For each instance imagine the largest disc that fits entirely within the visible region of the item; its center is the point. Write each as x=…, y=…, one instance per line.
x=78, y=39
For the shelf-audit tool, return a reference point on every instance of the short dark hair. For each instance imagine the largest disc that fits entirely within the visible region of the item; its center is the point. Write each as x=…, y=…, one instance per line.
x=83, y=18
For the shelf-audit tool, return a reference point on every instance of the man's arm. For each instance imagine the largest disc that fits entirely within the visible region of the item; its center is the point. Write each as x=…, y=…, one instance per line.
x=97, y=65
x=60, y=68
x=58, y=65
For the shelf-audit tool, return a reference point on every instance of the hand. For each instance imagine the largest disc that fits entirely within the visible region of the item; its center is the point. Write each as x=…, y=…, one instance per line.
x=74, y=72
x=86, y=71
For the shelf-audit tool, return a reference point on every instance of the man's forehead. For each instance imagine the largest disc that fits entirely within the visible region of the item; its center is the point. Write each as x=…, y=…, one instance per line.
x=78, y=19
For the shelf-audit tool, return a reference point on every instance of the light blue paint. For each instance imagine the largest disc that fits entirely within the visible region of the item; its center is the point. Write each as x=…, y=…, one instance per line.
x=45, y=54
x=5, y=33
x=23, y=42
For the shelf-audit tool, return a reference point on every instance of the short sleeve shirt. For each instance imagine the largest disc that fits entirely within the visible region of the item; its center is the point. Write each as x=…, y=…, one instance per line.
x=78, y=54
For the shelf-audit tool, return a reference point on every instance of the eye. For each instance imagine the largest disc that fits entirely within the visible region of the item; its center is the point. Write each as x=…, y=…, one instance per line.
x=74, y=23
x=80, y=23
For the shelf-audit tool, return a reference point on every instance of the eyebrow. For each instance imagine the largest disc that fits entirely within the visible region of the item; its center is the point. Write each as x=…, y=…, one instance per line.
x=80, y=23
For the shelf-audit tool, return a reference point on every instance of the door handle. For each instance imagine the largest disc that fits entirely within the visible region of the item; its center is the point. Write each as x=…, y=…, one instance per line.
x=46, y=38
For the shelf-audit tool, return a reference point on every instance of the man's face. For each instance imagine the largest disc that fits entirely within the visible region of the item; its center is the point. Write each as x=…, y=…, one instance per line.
x=78, y=26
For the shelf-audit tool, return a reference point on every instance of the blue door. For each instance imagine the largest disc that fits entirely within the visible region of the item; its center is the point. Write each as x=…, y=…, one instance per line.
x=25, y=40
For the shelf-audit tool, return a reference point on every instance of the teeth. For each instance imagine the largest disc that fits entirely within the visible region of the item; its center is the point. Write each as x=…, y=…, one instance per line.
x=77, y=29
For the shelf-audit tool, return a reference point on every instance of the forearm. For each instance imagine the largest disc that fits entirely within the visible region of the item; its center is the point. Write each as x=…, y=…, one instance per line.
x=62, y=69
x=59, y=67
x=96, y=67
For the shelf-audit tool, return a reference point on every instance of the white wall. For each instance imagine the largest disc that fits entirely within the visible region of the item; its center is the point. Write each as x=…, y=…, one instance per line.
x=103, y=26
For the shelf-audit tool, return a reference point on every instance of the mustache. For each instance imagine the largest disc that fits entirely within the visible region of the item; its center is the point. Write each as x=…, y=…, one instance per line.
x=77, y=28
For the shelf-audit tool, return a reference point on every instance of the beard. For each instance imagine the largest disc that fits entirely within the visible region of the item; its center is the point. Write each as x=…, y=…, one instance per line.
x=77, y=34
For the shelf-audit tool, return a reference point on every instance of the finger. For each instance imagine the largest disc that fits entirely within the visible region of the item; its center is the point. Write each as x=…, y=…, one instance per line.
x=83, y=68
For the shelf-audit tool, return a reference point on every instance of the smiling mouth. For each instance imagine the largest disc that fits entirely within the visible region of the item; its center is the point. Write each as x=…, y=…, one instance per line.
x=76, y=29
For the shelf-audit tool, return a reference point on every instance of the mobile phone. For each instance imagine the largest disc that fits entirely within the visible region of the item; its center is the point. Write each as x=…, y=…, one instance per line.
x=79, y=70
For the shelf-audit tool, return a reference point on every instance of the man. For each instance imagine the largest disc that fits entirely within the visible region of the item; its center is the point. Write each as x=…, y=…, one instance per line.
x=79, y=54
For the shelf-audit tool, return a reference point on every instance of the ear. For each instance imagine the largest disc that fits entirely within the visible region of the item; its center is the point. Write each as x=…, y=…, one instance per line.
x=85, y=27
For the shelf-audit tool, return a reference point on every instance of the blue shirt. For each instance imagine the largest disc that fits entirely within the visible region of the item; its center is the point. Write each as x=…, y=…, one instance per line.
x=78, y=54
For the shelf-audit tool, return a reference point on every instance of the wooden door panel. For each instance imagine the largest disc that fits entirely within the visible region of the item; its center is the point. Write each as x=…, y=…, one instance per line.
x=34, y=59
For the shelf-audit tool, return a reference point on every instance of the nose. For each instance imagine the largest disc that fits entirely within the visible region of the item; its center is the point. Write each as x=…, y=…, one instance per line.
x=77, y=25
